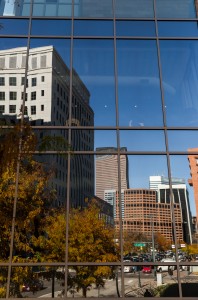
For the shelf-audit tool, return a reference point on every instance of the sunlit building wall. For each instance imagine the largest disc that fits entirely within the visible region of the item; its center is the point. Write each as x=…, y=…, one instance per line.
x=193, y=180
x=107, y=171
x=47, y=93
x=143, y=214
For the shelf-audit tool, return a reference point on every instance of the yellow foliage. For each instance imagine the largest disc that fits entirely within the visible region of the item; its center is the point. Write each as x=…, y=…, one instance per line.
x=2, y=292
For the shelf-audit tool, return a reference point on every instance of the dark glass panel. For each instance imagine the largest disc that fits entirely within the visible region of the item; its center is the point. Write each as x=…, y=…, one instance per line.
x=175, y=9
x=138, y=83
x=135, y=28
x=134, y=8
x=93, y=80
x=90, y=140
x=179, y=78
x=93, y=28
x=51, y=27
x=141, y=140
x=177, y=29
x=53, y=8
x=11, y=26
x=182, y=140
x=93, y=8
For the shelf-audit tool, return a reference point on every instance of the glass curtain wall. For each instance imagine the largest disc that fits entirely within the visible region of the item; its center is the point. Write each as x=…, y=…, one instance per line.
x=98, y=148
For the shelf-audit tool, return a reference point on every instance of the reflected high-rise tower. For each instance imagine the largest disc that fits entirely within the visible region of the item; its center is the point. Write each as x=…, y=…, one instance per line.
x=180, y=196
x=47, y=103
x=107, y=171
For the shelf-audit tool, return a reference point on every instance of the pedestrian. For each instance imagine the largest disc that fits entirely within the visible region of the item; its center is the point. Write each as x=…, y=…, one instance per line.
x=147, y=293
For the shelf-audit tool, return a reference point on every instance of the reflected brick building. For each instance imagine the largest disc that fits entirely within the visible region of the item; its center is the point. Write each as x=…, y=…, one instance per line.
x=142, y=211
x=193, y=181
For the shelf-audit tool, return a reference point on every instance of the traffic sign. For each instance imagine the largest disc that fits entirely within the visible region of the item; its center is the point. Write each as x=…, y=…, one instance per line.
x=139, y=244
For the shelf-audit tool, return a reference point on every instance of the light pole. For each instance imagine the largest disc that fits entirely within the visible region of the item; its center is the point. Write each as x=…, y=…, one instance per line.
x=153, y=243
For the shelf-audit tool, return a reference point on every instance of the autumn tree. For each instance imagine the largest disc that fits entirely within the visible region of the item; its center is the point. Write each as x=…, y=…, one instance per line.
x=33, y=190
x=89, y=240
x=161, y=242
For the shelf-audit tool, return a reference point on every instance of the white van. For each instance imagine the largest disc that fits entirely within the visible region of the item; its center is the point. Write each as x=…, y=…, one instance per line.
x=165, y=268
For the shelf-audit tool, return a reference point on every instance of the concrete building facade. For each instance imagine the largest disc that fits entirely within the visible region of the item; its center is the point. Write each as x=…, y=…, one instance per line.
x=46, y=103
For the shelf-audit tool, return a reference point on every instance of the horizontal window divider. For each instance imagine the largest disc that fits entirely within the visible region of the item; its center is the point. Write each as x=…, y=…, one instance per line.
x=13, y=35
x=109, y=298
x=50, y=36
x=177, y=19
x=17, y=264
x=79, y=152
x=118, y=263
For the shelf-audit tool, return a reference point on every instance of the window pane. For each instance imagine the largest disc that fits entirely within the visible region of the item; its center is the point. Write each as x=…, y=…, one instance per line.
x=182, y=140
x=93, y=28
x=138, y=84
x=134, y=8
x=140, y=140
x=93, y=8
x=135, y=28
x=93, y=78
x=184, y=172
x=51, y=27
x=178, y=29
x=175, y=9
x=52, y=8
x=11, y=26
x=179, y=75
x=13, y=8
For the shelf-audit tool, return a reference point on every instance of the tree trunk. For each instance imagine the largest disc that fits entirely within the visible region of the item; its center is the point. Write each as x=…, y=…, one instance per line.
x=85, y=292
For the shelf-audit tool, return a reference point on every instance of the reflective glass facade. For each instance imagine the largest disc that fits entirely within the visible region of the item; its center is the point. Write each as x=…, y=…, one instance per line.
x=99, y=148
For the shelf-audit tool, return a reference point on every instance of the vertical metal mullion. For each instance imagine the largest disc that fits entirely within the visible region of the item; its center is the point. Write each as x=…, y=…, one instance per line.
x=67, y=207
x=167, y=152
x=118, y=147
x=18, y=159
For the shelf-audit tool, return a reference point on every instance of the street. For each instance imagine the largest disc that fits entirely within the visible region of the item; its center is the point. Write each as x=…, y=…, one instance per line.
x=134, y=285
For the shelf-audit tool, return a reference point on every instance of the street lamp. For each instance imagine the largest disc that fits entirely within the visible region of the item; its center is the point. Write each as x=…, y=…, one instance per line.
x=153, y=242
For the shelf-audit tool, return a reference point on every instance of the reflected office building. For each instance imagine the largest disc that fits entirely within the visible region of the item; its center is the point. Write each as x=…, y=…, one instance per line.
x=46, y=103
x=143, y=214
x=107, y=171
x=180, y=196
x=193, y=181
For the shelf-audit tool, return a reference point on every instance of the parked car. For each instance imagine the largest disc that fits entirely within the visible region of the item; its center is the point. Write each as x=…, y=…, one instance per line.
x=147, y=269
x=128, y=269
x=32, y=285
x=166, y=268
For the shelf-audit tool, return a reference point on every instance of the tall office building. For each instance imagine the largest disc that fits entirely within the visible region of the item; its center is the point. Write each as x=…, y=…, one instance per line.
x=180, y=195
x=142, y=213
x=46, y=103
x=107, y=171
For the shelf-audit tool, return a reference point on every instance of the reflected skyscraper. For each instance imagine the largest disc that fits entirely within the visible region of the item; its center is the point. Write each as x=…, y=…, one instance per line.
x=47, y=103
x=107, y=170
x=180, y=196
